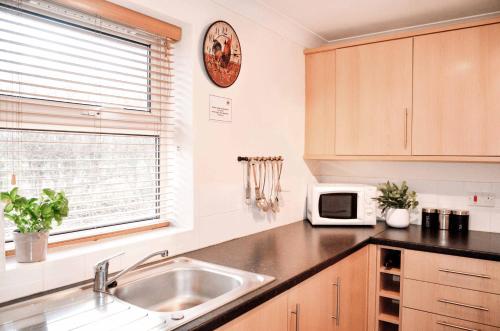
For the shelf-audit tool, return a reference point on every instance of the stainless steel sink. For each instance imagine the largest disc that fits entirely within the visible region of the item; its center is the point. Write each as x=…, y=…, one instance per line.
x=161, y=296
x=183, y=289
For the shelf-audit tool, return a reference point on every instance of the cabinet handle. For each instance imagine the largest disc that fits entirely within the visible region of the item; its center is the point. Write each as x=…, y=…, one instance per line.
x=464, y=273
x=337, y=309
x=456, y=326
x=406, y=127
x=297, y=314
x=462, y=304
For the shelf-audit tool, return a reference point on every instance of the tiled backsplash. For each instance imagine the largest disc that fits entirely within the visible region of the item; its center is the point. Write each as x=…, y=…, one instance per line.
x=442, y=185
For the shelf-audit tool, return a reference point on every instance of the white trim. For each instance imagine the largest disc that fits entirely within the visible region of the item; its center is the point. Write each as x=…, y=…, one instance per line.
x=418, y=26
x=273, y=20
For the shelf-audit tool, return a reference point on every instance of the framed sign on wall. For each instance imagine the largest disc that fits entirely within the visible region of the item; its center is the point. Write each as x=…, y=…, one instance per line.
x=222, y=54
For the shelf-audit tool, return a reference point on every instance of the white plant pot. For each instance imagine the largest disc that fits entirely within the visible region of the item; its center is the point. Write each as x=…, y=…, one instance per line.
x=398, y=218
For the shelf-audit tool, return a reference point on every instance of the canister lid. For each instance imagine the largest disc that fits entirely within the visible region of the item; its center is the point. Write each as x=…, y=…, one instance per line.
x=460, y=212
x=445, y=211
x=429, y=210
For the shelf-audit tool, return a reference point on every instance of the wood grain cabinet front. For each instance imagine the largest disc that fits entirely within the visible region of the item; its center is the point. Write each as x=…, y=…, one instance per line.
x=456, y=91
x=335, y=299
x=469, y=305
x=474, y=274
x=415, y=320
x=374, y=98
x=269, y=316
x=320, y=105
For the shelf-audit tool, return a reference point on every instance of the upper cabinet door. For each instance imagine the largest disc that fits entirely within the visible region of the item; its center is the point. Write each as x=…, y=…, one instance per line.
x=457, y=93
x=320, y=104
x=374, y=99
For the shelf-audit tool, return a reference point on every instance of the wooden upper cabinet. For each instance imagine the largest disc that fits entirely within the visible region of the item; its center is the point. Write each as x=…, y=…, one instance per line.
x=374, y=98
x=457, y=93
x=320, y=104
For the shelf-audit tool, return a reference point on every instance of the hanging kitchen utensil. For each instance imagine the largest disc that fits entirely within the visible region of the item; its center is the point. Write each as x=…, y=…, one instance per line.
x=248, y=188
x=257, y=189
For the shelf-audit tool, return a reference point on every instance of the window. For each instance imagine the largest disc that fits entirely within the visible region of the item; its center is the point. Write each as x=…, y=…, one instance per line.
x=85, y=107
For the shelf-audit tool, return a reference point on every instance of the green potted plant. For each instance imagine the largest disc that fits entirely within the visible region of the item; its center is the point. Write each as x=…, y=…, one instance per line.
x=395, y=201
x=33, y=218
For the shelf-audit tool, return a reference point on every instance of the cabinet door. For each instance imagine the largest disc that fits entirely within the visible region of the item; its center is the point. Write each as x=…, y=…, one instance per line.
x=269, y=316
x=457, y=93
x=310, y=304
x=351, y=297
x=374, y=99
x=320, y=104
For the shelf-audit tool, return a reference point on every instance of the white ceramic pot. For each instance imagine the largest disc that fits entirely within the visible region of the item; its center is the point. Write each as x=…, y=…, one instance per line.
x=31, y=247
x=398, y=218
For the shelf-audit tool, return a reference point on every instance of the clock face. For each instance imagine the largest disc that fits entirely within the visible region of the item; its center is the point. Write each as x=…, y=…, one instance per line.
x=222, y=54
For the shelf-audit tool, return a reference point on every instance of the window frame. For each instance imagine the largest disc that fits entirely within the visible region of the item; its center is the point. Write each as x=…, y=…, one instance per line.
x=36, y=113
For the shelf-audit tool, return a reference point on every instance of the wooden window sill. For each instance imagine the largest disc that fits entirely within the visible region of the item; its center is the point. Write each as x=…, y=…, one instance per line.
x=95, y=235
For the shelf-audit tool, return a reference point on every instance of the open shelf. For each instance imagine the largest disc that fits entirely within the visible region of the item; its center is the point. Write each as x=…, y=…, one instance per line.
x=387, y=326
x=390, y=271
x=389, y=294
x=390, y=260
x=389, y=307
x=389, y=285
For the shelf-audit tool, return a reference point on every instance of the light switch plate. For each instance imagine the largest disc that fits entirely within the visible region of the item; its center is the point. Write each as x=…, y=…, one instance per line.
x=482, y=199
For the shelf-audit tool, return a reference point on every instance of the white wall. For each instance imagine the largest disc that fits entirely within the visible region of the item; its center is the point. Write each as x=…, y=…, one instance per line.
x=443, y=185
x=268, y=119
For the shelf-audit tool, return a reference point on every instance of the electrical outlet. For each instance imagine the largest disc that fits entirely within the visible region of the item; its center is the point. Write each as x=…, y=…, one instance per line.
x=482, y=199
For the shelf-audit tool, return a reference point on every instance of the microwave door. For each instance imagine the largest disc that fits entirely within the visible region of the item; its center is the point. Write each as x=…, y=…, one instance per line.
x=338, y=206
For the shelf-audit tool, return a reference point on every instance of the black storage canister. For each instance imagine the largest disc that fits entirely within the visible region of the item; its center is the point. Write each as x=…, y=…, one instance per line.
x=430, y=218
x=459, y=221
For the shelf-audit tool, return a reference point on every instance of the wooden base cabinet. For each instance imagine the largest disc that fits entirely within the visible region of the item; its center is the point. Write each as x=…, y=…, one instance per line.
x=311, y=303
x=335, y=299
x=351, y=278
x=270, y=316
x=416, y=320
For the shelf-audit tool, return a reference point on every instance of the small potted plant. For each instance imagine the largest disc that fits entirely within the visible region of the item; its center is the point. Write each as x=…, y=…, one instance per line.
x=395, y=202
x=33, y=218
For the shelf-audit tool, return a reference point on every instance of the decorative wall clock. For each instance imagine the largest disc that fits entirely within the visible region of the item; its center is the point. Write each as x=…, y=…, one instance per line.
x=222, y=54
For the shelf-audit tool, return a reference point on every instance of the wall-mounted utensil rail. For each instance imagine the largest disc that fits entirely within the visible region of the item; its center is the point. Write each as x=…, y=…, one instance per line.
x=263, y=169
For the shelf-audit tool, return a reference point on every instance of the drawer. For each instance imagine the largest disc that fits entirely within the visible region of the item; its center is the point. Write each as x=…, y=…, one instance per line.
x=454, y=302
x=457, y=271
x=416, y=320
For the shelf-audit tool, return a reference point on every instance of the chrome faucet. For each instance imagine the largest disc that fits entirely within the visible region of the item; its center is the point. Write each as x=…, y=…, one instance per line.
x=101, y=281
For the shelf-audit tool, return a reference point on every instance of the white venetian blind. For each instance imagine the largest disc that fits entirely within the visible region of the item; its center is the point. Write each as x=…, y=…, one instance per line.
x=86, y=107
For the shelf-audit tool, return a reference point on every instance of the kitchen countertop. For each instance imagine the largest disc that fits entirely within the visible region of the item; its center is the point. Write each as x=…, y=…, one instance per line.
x=474, y=244
x=294, y=252
x=290, y=253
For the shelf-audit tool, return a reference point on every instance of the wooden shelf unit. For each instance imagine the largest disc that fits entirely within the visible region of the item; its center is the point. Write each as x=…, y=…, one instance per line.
x=388, y=289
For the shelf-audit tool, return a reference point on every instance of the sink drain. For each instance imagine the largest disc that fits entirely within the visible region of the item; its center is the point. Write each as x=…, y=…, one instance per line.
x=177, y=316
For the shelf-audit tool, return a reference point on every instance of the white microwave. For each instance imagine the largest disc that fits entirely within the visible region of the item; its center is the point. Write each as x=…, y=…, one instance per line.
x=341, y=204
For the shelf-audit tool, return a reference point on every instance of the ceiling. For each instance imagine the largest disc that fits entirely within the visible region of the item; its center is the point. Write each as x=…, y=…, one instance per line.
x=338, y=19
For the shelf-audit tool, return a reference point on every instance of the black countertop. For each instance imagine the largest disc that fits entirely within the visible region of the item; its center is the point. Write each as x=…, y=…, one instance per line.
x=294, y=252
x=474, y=244
x=290, y=253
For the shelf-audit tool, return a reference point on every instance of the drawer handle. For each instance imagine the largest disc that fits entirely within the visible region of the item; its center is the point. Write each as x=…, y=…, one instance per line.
x=462, y=304
x=456, y=326
x=464, y=273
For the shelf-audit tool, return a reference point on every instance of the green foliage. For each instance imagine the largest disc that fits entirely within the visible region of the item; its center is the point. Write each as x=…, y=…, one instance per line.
x=393, y=196
x=35, y=214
